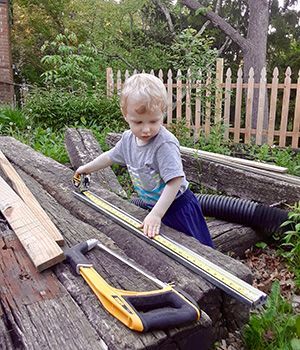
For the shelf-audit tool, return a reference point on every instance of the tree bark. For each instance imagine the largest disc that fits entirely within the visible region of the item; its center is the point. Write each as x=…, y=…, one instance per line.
x=254, y=46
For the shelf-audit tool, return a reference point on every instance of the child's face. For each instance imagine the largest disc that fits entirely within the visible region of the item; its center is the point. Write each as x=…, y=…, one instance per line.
x=143, y=125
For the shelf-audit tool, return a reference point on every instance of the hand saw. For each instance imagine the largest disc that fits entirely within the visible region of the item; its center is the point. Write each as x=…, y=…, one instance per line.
x=140, y=311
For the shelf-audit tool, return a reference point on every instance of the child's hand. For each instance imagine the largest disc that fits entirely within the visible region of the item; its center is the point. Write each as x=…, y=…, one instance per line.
x=151, y=225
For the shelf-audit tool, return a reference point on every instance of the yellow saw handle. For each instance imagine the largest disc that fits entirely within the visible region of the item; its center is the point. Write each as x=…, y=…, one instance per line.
x=139, y=311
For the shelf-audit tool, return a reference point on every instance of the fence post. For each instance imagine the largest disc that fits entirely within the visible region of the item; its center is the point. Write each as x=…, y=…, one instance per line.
x=296, y=127
x=273, y=104
x=261, y=106
x=219, y=89
x=226, y=116
x=249, y=105
x=285, y=107
x=170, y=98
x=109, y=82
x=178, y=96
x=238, y=106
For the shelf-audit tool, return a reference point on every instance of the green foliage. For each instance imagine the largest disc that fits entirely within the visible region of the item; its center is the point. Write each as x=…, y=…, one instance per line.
x=49, y=142
x=193, y=51
x=275, y=327
x=284, y=157
x=291, y=241
x=55, y=108
x=12, y=120
x=70, y=63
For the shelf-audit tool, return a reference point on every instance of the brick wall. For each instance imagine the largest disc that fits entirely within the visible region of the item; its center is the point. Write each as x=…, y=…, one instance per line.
x=6, y=75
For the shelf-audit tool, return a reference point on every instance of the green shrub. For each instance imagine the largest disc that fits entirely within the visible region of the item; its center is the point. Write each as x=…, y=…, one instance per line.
x=12, y=120
x=56, y=109
x=291, y=242
x=274, y=328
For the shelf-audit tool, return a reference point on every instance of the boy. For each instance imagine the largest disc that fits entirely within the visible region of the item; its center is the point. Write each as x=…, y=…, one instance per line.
x=152, y=156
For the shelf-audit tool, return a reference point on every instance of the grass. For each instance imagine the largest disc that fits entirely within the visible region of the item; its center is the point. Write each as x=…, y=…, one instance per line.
x=276, y=327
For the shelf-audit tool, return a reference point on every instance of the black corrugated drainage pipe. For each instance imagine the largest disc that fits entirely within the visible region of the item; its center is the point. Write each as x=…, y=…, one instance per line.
x=260, y=217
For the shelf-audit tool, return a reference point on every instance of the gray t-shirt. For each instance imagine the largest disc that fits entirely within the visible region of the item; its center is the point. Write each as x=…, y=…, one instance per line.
x=151, y=165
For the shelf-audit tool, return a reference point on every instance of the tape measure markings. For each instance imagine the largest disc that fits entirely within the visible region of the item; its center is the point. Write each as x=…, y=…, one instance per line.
x=213, y=273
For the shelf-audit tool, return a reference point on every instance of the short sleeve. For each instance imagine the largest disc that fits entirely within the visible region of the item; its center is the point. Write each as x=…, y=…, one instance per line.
x=169, y=161
x=116, y=154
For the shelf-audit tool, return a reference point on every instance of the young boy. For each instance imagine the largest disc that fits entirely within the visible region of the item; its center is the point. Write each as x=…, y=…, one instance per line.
x=152, y=156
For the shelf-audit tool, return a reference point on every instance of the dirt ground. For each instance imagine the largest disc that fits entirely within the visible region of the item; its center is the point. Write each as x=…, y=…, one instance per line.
x=266, y=267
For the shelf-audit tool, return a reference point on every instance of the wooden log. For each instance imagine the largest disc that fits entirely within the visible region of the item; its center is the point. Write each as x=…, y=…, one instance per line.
x=42, y=249
x=107, y=330
x=82, y=148
x=30, y=200
x=234, y=181
x=55, y=179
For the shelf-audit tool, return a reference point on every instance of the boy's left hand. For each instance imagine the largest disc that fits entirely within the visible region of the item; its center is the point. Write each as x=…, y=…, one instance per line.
x=151, y=225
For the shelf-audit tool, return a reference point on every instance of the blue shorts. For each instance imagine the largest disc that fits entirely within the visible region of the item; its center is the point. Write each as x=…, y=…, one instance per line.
x=185, y=215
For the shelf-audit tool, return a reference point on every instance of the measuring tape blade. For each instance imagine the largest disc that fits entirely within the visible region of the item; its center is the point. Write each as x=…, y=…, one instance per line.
x=221, y=278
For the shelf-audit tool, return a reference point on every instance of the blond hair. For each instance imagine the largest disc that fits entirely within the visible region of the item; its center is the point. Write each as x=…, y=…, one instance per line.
x=147, y=90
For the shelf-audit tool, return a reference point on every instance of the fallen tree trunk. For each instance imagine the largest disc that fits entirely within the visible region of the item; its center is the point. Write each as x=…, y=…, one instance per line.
x=233, y=181
x=48, y=296
x=54, y=179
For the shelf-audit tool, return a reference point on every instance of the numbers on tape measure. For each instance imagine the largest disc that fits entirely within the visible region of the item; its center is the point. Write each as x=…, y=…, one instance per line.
x=223, y=276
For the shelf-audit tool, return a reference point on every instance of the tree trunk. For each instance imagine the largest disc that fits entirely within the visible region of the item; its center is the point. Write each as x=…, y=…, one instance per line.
x=255, y=52
x=254, y=46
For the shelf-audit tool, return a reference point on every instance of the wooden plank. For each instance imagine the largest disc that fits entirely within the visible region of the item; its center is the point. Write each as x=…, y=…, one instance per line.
x=273, y=104
x=226, y=115
x=249, y=106
x=285, y=107
x=170, y=98
x=42, y=250
x=228, y=159
x=296, y=127
x=261, y=107
x=119, y=82
x=109, y=82
x=238, y=106
x=207, y=104
x=24, y=192
x=178, y=96
x=219, y=92
x=188, y=99
x=197, y=110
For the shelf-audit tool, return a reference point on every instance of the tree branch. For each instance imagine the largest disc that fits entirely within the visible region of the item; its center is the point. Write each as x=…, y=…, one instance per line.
x=166, y=12
x=219, y=22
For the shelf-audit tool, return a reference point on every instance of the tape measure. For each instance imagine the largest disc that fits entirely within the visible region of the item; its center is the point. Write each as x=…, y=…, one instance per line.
x=221, y=278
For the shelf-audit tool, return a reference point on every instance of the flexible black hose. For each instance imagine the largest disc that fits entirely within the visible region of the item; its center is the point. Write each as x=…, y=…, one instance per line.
x=242, y=211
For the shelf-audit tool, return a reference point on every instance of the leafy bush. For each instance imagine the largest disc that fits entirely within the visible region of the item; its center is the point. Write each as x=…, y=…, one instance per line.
x=12, y=119
x=54, y=108
x=276, y=327
x=70, y=63
x=291, y=241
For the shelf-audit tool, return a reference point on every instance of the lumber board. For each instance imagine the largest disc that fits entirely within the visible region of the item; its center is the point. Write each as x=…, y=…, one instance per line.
x=221, y=158
x=112, y=332
x=29, y=199
x=233, y=181
x=82, y=148
x=42, y=250
x=264, y=172
x=55, y=180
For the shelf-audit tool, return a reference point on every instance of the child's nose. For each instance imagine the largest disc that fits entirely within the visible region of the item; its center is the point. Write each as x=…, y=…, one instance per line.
x=146, y=128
